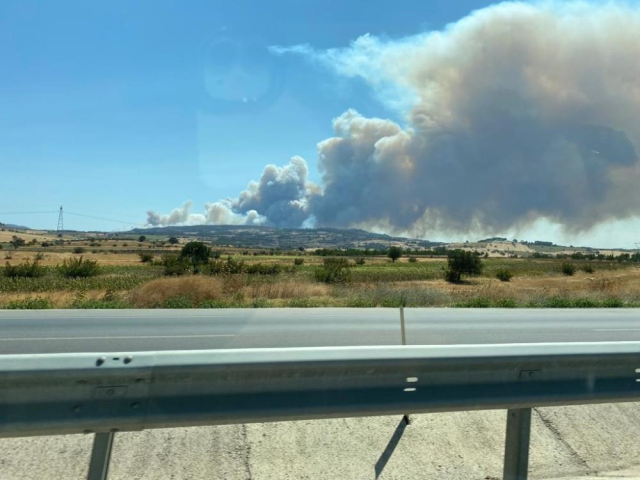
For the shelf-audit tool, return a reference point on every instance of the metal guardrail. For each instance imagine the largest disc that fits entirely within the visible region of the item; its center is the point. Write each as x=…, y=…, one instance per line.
x=106, y=393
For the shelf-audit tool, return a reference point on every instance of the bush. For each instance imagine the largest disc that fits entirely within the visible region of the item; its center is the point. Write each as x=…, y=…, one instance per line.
x=360, y=261
x=477, y=302
x=588, y=268
x=78, y=268
x=462, y=262
x=142, y=238
x=298, y=261
x=36, y=303
x=175, y=265
x=39, y=256
x=24, y=270
x=173, y=240
x=78, y=250
x=260, y=269
x=413, y=259
x=568, y=269
x=226, y=267
x=504, y=275
x=178, y=302
x=145, y=257
x=334, y=270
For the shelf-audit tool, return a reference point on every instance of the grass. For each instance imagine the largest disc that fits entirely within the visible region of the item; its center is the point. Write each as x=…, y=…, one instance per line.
x=376, y=283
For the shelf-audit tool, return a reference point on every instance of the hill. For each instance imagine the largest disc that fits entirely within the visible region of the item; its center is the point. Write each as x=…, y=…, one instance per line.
x=286, y=238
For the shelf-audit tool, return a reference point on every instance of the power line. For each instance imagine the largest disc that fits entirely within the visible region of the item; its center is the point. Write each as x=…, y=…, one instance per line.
x=28, y=213
x=101, y=218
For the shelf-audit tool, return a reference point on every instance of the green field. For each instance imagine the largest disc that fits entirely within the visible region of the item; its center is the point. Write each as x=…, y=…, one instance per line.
x=376, y=283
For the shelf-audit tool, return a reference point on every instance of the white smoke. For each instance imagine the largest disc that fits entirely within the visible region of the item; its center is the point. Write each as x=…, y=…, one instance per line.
x=178, y=216
x=515, y=113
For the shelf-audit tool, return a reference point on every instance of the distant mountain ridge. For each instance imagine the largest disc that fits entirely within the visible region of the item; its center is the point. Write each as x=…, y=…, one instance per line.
x=286, y=238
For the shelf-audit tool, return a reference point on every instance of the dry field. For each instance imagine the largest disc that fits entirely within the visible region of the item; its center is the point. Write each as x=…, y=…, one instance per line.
x=124, y=281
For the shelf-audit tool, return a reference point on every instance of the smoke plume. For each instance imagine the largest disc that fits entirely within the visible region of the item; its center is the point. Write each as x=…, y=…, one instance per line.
x=513, y=114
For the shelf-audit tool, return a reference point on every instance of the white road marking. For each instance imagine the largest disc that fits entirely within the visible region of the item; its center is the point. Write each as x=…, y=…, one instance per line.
x=616, y=329
x=110, y=338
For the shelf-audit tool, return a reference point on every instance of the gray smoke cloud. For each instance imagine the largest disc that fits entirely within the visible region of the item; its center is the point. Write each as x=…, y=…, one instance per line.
x=515, y=113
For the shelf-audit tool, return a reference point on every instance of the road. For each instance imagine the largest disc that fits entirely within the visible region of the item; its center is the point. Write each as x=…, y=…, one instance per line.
x=63, y=331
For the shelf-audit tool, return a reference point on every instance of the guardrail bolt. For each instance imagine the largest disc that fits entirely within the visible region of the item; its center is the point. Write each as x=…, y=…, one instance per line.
x=100, y=361
x=128, y=360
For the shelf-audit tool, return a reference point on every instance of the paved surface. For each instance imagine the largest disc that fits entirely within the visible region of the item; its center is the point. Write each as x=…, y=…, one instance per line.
x=566, y=443
x=57, y=331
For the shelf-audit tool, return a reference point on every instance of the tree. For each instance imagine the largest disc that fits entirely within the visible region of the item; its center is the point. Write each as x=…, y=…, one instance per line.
x=17, y=242
x=197, y=253
x=462, y=262
x=394, y=253
x=173, y=240
x=142, y=238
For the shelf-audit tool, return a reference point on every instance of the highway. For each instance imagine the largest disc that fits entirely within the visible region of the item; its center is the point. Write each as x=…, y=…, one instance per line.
x=69, y=331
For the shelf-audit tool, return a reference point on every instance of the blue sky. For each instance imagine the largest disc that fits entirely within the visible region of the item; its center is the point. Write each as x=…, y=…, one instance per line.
x=113, y=108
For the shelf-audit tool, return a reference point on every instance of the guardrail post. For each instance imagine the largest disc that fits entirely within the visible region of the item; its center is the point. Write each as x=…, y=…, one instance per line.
x=516, y=448
x=100, y=456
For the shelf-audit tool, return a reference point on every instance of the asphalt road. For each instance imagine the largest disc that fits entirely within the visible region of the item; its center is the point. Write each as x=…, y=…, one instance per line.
x=58, y=331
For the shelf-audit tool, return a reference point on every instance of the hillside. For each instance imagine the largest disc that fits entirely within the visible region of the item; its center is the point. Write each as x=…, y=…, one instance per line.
x=286, y=238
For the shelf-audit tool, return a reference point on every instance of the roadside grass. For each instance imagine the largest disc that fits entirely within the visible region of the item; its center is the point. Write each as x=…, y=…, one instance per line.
x=537, y=283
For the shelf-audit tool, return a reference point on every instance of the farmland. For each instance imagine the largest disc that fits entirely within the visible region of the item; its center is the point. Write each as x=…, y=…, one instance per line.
x=250, y=278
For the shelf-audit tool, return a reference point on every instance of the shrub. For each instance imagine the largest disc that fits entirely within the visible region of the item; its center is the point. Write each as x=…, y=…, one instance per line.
x=298, y=261
x=226, y=267
x=260, y=269
x=476, y=302
x=568, y=268
x=142, y=238
x=302, y=303
x=413, y=259
x=612, y=303
x=588, y=268
x=196, y=288
x=504, y=275
x=505, y=303
x=30, y=303
x=78, y=268
x=462, y=262
x=557, y=302
x=146, y=257
x=26, y=270
x=39, y=256
x=78, y=250
x=178, y=302
x=175, y=265
x=334, y=270
x=360, y=261
x=585, y=303
x=173, y=240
